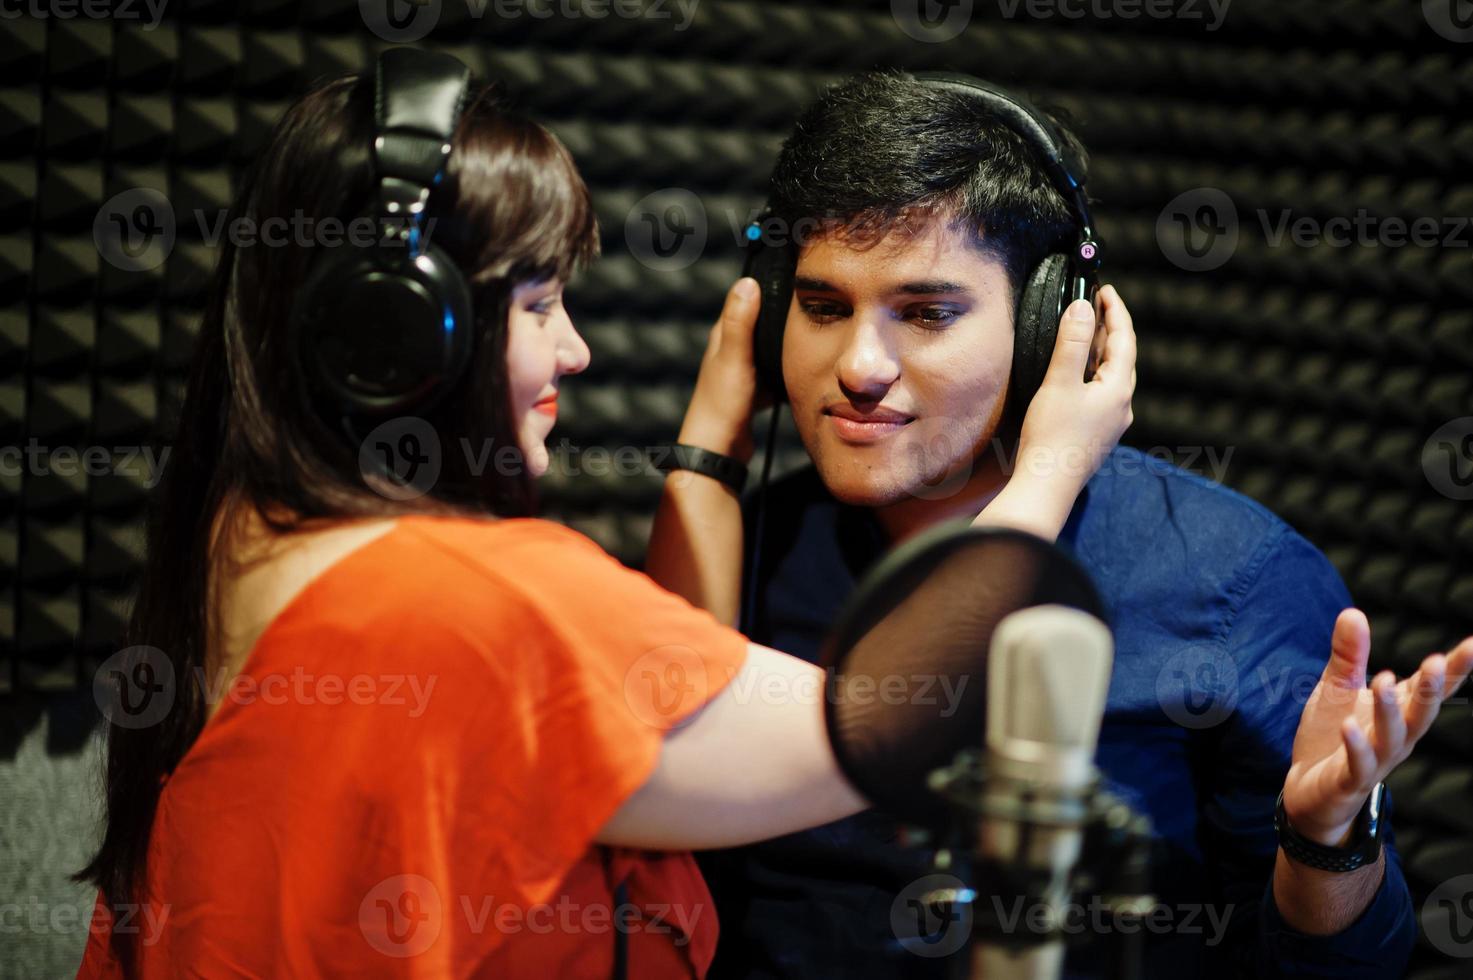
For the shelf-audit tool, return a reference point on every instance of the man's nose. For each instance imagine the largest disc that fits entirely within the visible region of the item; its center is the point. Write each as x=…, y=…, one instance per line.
x=868, y=365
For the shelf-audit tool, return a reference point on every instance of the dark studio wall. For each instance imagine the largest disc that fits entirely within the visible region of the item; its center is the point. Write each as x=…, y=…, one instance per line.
x=1330, y=379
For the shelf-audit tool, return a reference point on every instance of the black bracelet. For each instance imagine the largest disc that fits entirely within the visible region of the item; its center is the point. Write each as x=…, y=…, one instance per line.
x=1364, y=846
x=679, y=456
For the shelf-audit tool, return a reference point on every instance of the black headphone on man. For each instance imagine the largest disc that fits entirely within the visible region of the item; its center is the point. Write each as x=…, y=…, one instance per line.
x=1051, y=285
x=387, y=329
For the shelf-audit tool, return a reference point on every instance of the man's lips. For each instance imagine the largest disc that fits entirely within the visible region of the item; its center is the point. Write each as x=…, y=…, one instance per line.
x=853, y=425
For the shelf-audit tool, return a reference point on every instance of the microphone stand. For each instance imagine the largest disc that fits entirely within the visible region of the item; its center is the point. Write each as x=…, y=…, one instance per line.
x=1113, y=869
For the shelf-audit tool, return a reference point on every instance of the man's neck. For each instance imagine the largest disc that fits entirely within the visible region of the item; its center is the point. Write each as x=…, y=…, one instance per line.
x=916, y=512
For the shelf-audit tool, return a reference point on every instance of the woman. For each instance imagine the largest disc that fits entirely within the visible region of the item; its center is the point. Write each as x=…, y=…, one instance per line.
x=429, y=736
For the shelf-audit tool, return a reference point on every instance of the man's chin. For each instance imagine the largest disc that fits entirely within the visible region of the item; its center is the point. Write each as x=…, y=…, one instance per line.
x=862, y=488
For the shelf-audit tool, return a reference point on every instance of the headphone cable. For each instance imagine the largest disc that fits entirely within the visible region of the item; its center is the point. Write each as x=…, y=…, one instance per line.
x=749, y=617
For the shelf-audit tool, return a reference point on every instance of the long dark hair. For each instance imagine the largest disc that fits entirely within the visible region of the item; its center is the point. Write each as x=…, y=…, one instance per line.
x=511, y=208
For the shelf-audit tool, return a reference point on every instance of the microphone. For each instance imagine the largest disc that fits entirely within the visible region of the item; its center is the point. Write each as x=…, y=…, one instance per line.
x=1047, y=675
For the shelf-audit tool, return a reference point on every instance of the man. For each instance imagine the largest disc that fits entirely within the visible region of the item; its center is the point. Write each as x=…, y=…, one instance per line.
x=896, y=361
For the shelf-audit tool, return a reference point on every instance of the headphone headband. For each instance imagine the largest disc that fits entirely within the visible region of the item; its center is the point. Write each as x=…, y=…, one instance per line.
x=1066, y=169
x=386, y=329
x=418, y=99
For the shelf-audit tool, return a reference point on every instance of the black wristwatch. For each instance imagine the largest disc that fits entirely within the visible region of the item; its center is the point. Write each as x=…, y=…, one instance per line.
x=729, y=471
x=1365, y=838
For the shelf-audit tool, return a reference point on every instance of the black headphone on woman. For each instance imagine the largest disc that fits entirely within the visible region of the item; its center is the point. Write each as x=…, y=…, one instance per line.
x=1051, y=285
x=387, y=328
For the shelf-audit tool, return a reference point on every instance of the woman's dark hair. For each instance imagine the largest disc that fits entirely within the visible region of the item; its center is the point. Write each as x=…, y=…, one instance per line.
x=883, y=150
x=510, y=209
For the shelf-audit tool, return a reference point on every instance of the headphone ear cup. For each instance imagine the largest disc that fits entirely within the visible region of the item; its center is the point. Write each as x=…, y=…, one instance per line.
x=1036, y=328
x=773, y=267
x=380, y=333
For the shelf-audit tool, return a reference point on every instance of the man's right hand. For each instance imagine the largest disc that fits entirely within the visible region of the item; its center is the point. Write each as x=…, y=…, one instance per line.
x=1072, y=424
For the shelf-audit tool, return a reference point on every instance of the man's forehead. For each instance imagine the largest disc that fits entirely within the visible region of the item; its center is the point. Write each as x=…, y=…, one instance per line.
x=936, y=252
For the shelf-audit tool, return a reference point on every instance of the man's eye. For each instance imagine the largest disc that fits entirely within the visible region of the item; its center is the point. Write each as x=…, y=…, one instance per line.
x=823, y=312
x=932, y=316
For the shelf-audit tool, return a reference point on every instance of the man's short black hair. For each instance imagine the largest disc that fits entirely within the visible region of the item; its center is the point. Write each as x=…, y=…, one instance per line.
x=882, y=150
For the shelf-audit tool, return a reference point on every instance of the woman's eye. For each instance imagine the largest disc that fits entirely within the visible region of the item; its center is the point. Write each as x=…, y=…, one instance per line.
x=546, y=306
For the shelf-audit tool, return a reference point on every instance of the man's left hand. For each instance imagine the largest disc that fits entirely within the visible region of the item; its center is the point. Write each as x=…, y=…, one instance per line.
x=1351, y=736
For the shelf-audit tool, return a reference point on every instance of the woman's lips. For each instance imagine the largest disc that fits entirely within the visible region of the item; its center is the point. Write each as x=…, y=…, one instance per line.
x=548, y=407
x=852, y=430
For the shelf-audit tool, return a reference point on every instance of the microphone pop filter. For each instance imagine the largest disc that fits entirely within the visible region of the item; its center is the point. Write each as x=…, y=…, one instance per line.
x=907, y=658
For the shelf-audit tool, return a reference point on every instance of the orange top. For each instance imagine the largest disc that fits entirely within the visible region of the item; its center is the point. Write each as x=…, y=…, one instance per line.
x=407, y=776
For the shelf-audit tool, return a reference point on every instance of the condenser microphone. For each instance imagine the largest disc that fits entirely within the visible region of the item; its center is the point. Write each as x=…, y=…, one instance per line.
x=1047, y=676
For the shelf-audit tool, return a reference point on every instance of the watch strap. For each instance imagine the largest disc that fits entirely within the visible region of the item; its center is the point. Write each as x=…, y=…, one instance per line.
x=1365, y=839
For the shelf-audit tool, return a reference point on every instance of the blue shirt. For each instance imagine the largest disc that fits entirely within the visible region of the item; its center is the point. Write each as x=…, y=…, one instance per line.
x=1222, y=616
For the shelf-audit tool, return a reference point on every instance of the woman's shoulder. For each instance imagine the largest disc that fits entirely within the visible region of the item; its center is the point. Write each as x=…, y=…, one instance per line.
x=512, y=565
x=504, y=547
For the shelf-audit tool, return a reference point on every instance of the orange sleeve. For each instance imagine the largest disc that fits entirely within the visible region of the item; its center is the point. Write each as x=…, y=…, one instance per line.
x=603, y=664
